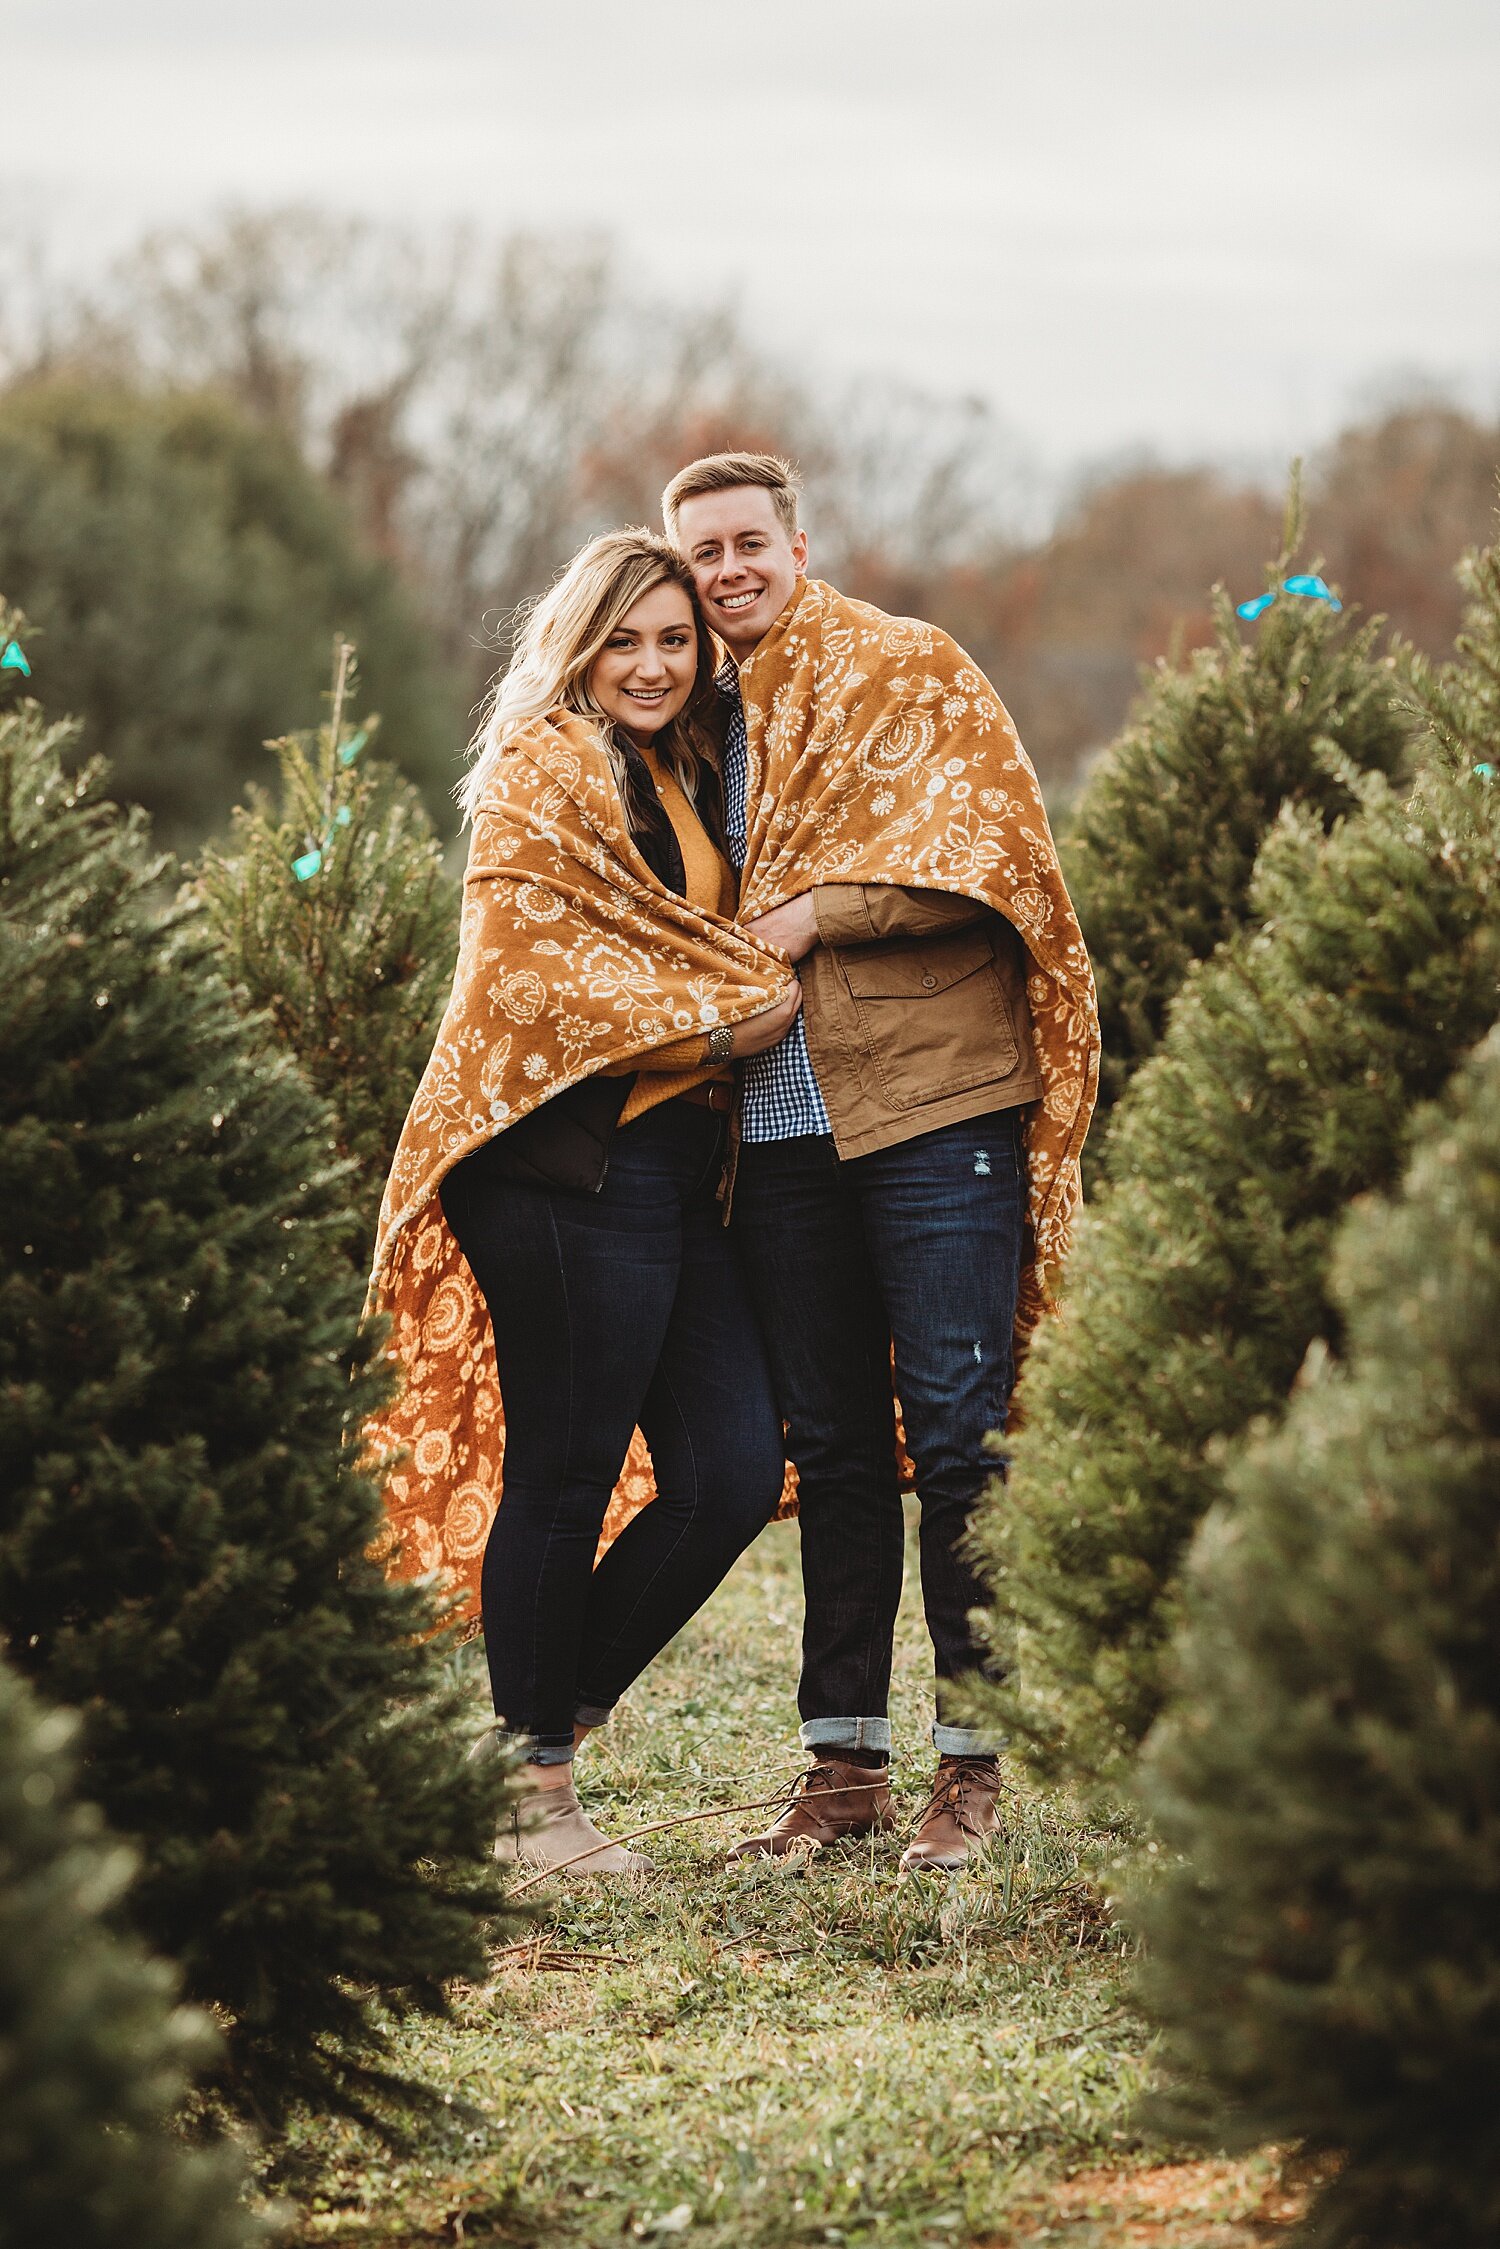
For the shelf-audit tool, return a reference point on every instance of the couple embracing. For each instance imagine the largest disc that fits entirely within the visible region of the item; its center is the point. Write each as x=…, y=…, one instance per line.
x=757, y=1106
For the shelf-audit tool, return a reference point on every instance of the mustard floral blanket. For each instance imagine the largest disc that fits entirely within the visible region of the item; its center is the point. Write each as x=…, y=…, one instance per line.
x=879, y=753
x=572, y=956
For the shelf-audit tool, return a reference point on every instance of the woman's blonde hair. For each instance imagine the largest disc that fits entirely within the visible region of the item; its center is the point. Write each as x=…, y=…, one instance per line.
x=555, y=647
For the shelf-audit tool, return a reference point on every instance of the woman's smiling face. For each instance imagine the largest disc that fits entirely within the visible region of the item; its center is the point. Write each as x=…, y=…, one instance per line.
x=643, y=675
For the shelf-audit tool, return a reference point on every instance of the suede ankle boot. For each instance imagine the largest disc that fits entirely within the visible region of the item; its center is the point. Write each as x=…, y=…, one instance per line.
x=547, y=1827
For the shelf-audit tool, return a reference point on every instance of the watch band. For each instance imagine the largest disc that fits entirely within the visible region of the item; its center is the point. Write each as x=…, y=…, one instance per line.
x=720, y=1045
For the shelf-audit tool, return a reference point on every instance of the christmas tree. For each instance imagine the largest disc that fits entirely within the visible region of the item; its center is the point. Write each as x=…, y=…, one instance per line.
x=1282, y=1088
x=333, y=914
x=95, y=2060
x=1325, y=1950
x=1160, y=850
x=184, y=1535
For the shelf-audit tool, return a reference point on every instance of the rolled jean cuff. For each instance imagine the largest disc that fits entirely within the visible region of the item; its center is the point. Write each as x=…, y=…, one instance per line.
x=846, y=1733
x=593, y=1714
x=548, y=1749
x=964, y=1741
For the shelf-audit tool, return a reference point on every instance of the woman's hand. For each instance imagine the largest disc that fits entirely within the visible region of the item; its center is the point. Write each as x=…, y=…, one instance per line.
x=769, y=1028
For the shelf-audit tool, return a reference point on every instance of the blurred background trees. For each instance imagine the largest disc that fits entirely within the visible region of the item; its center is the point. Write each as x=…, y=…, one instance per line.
x=441, y=418
x=185, y=569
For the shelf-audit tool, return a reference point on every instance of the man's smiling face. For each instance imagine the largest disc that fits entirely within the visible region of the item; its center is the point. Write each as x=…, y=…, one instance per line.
x=744, y=562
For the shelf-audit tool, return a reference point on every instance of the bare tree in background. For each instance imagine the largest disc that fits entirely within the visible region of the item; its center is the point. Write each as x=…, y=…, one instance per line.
x=294, y=314
x=1393, y=504
x=1126, y=574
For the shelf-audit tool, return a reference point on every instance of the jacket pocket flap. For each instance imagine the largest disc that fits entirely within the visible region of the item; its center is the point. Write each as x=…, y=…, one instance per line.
x=915, y=969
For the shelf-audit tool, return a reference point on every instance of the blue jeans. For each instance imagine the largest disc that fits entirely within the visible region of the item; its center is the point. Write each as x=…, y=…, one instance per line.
x=917, y=1245
x=609, y=1310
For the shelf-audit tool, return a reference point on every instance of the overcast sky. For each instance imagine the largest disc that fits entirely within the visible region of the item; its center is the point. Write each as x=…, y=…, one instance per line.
x=1191, y=225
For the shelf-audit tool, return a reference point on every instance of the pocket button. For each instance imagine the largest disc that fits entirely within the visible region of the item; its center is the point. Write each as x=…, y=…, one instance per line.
x=930, y=982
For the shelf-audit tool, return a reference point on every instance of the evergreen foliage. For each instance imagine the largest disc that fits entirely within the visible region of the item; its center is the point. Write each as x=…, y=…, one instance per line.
x=352, y=957
x=1282, y=1088
x=1161, y=848
x=187, y=570
x=183, y=1535
x=1325, y=1953
x=94, y=2057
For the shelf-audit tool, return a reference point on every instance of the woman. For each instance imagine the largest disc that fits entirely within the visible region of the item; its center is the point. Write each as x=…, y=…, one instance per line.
x=563, y=1153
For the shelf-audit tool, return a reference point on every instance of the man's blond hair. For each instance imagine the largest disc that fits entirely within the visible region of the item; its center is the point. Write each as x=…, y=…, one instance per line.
x=728, y=472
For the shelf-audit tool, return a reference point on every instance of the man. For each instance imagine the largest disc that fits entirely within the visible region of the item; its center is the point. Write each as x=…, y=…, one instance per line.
x=892, y=841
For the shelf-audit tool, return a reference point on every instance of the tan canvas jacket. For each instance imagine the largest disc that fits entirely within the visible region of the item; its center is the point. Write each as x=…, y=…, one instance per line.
x=916, y=1012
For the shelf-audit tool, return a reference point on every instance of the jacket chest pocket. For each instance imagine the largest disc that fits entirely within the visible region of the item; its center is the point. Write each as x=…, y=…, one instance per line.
x=931, y=1015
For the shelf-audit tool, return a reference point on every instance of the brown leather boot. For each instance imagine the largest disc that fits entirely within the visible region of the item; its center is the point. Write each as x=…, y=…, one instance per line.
x=829, y=1801
x=957, y=1817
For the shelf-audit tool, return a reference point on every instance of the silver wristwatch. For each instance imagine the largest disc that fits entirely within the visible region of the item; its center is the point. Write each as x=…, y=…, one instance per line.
x=720, y=1046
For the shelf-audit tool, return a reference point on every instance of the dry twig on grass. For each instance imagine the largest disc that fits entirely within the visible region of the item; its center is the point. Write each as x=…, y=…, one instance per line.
x=683, y=1819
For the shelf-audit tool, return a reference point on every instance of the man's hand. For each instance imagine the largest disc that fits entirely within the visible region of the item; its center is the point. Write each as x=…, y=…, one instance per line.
x=792, y=927
x=770, y=1027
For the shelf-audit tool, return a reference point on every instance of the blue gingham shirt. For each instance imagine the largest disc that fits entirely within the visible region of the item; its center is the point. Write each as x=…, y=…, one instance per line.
x=781, y=1097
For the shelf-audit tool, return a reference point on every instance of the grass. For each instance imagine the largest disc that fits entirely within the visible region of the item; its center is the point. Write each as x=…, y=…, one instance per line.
x=763, y=2055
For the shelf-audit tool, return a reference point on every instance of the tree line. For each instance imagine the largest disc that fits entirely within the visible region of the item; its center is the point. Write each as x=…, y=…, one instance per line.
x=243, y=437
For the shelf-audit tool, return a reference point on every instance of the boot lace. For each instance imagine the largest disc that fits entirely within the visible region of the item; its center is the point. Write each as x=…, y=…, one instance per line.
x=813, y=1781
x=953, y=1790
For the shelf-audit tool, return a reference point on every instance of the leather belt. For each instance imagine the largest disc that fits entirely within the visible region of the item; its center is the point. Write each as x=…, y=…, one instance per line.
x=715, y=1095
